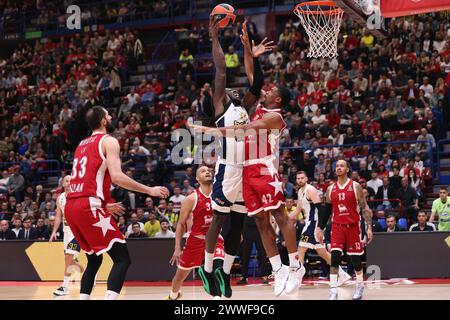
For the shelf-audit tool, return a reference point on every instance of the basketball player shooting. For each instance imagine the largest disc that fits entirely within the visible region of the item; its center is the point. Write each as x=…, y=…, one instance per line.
x=310, y=204
x=344, y=200
x=198, y=204
x=227, y=197
x=96, y=164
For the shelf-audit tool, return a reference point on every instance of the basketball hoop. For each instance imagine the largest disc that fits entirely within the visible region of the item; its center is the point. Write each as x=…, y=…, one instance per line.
x=322, y=21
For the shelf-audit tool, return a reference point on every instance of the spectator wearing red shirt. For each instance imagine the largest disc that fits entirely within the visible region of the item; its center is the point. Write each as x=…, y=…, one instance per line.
x=302, y=98
x=317, y=94
x=332, y=84
x=370, y=125
x=333, y=118
x=157, y=87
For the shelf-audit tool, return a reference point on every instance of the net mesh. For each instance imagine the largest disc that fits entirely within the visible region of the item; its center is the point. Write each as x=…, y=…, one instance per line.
x=322, y=24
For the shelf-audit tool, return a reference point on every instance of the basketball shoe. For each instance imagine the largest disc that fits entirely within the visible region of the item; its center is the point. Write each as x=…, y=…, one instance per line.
x=281, y=277
x=177, y=298
x=343, y=277
x=61, y=291
x=359, y=291
x=209, y=282
x=294, y=280
x=223, y=280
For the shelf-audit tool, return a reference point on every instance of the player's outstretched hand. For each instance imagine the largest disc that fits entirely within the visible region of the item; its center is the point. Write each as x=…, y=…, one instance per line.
x=318, y=233
x=160, y=192
x=203, y=129
x=213, y=29
x=52, y=237
x=116, y=209
x=369, y=235
x=261, y=48
x=244, y=35
x=175, y=257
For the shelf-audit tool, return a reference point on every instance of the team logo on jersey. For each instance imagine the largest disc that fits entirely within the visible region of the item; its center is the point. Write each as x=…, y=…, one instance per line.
x=217, y=200
x=243, y=119
x=342, y=208
x=350, y=188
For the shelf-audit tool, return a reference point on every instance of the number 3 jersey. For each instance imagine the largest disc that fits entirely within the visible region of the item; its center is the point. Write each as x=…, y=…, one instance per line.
x=90, y=176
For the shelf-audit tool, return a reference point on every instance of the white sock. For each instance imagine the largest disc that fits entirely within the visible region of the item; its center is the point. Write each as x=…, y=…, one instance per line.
x=111, y=295
x=228, y=263
x=293, y=260
x=333, y=280
x=84, y=296
x=209, y=262
x=275, y=261
x=359, y=277
x=173, y=295
x=65, y=283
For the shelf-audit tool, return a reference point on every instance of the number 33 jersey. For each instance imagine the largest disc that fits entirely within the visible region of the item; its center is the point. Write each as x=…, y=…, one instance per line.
x=90, y=176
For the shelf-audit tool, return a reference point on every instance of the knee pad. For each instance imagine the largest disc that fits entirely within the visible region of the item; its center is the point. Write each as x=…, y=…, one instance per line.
x=356, y=262
x=335, y=258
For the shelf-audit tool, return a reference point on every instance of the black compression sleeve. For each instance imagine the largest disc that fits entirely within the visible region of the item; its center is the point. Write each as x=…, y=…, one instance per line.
x=325, y=212
x=258, y=78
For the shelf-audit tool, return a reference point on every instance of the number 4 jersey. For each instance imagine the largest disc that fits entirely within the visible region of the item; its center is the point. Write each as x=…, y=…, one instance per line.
x=90, y=176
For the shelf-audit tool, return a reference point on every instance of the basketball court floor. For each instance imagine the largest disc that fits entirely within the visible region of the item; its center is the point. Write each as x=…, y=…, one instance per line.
x=393, y=289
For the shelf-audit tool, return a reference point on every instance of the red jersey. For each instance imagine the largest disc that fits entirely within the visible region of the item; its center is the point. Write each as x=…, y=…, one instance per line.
x=90, y=176
x=345, y=203
x=263, y=144
x=201, y=214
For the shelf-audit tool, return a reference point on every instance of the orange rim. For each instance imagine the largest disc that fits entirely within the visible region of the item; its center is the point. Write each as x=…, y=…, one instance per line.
x=303, y=7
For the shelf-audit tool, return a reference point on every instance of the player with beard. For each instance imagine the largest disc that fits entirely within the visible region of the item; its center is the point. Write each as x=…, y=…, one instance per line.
x=198, y=203
x=90, y=209
x=344, y=201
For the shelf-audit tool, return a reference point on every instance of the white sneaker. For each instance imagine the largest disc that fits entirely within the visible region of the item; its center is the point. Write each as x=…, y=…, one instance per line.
x=359, y=291
x=281, y=276
x=333, y=294
x=61, y=291
x=343, y=277
x=294, y=280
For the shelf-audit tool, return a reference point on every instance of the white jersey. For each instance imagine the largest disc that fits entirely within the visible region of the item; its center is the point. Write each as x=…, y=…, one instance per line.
x=306, y=204
x=232, y=147
x=62, y=204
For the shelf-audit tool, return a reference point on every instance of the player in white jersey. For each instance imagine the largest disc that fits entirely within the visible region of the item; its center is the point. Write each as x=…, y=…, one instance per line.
x=310, y=203
x=71, y=246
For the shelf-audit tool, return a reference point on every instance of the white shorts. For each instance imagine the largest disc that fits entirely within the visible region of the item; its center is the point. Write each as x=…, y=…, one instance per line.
x=227, y=189
x=71, y=245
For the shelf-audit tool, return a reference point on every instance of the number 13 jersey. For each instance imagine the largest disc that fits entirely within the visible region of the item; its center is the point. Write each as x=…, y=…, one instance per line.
x=90, y=176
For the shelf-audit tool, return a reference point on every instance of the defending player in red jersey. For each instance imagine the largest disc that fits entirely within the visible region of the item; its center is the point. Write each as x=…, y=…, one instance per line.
x=199, y=204
x=90, y=208
x=344, y=200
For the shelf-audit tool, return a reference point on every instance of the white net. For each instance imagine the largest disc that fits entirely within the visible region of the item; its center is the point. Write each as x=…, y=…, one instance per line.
x=322, y=21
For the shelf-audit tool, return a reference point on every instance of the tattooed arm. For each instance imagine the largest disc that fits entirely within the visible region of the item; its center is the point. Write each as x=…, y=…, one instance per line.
x=366, y=211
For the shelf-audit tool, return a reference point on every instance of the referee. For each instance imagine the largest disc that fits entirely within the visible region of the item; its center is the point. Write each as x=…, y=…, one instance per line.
x=441, y=208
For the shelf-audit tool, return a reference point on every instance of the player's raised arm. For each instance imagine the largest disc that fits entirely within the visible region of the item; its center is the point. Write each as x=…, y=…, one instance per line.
x=185, y=211
x=366, y=211
x=111, y=148
x=58, y=218
x=220, y=79
x=252, y=95
x=248, y=58
x=313, y=195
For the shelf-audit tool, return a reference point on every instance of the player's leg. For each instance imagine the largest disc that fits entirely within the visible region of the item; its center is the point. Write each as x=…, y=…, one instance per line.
x=297, y=271
x=301, y=254
x=64, y=288
x=121, y=262
x=268, y=238
x=355, y=250
x=342, y=275
x=334, y=270
x=177, y=282
x=246, y=250
x=338, y=239
x=232, y=241
x=88, y=278
x=262, y=256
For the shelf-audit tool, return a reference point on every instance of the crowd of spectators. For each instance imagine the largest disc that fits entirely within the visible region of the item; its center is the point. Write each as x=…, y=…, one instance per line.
x=375, y=88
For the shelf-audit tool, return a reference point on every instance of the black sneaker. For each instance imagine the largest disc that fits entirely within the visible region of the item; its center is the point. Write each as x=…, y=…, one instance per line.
x=223, y=280
x=209, y=282
x=243, y=280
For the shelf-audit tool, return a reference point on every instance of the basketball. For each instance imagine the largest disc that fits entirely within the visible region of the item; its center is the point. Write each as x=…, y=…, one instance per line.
x=226, y=15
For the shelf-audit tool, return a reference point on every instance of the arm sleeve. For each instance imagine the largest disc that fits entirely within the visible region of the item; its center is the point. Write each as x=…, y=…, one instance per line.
x=324, y=214
x=258, y=78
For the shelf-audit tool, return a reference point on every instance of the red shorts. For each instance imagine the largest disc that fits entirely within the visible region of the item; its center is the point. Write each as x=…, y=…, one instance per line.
x=349, y=235
x=92, y=225
x=194, y=252
x=261, y=190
